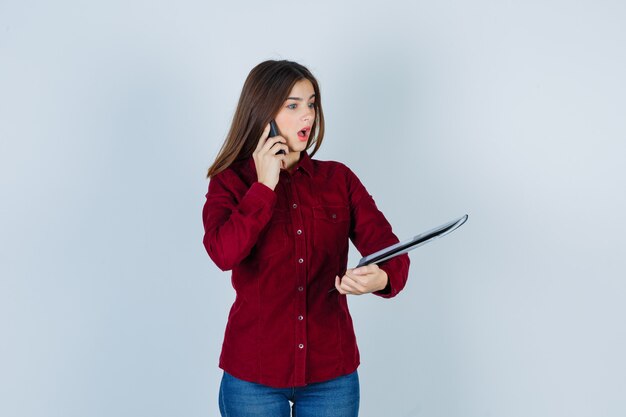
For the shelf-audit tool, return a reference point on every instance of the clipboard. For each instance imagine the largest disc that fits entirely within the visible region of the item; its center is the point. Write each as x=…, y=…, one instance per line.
x=410, y=244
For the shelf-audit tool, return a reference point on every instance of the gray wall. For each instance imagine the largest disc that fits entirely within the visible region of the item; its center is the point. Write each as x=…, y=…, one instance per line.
x=512, y=112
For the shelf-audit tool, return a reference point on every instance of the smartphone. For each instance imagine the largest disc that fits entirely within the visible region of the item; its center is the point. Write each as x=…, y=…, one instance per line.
x=274, y=132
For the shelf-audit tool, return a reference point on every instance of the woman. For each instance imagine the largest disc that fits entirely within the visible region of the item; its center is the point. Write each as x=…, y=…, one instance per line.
x=281, y=223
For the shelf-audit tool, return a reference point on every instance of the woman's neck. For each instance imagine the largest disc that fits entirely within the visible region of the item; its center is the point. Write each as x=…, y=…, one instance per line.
x=292, y=161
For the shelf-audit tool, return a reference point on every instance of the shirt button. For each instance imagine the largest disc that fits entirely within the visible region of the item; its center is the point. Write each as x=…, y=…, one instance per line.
x=300, y=260
x=300, y=288
x=294, y=205
x=301, y=346
x=334, y=216
x=299, y=232
x=300, y=318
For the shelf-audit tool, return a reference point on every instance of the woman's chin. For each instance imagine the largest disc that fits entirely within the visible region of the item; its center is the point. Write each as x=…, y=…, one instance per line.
x=300, y=146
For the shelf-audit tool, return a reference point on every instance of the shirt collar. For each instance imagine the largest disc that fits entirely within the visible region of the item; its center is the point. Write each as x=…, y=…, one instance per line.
x=305, y=163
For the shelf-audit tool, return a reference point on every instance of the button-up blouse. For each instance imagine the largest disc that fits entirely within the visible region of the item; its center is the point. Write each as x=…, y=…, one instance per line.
x=285, y=247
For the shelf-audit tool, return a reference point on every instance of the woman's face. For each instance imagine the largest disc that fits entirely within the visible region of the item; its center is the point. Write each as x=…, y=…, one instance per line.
x=296, y=116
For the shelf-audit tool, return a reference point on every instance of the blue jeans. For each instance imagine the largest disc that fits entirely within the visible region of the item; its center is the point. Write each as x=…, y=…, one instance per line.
x=337, y=397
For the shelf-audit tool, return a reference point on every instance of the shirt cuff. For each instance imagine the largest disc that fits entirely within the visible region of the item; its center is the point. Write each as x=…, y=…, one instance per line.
x=397, y=270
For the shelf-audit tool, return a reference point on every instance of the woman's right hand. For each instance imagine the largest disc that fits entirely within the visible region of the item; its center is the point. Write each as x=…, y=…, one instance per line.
x=267, y=163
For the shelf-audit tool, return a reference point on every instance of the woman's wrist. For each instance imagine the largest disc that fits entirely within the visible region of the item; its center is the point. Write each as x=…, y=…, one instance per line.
x=384, y=281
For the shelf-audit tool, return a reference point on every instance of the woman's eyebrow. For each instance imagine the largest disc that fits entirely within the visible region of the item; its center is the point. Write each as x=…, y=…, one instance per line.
x=300, y=99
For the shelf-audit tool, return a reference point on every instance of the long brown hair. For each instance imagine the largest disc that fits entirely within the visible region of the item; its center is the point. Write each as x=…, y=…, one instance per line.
x=265, y=90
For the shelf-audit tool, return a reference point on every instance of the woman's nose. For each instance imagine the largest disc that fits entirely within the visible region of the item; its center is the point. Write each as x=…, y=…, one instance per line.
x=309, y=114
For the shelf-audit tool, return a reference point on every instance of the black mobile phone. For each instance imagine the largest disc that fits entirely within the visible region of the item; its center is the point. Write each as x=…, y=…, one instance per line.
x=274, y=132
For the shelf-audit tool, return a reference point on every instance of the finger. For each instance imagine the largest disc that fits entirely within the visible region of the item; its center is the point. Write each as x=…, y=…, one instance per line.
x=367, y=269
x=338, y=285
x=352, y=286
x=276, y=151
x=279, y=146
x=359, y=279
x=264, y=135
x=269, y=144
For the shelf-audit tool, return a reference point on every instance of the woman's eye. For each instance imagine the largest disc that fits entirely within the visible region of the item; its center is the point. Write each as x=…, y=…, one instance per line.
x=292, y=106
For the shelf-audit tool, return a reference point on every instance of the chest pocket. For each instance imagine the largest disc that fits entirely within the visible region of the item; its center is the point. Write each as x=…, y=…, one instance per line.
x=331, y=227
x=273, y=239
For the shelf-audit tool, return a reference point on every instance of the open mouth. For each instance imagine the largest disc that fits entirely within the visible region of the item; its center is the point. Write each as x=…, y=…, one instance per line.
x=304, y=133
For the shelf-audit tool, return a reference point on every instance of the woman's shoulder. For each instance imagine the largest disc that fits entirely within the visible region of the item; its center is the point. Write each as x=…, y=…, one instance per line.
x=331, y=168
x=239, y=168
x=238, y=177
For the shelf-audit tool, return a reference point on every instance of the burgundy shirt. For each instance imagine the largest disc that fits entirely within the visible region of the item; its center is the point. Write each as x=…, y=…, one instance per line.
x=284, y=247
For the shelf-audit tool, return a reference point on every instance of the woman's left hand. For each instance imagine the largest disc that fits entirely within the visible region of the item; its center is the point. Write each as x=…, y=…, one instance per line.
x=362, y=280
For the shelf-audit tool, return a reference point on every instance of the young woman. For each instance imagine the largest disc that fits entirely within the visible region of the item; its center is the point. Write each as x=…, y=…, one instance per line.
x=281, y=222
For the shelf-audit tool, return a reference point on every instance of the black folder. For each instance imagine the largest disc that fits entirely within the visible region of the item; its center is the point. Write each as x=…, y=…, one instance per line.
x=410, y=244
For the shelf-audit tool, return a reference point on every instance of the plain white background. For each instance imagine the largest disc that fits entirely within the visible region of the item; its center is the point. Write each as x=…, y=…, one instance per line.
x=512, y=112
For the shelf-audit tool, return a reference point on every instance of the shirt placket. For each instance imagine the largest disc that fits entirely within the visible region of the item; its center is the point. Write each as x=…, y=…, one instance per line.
x=300, y=255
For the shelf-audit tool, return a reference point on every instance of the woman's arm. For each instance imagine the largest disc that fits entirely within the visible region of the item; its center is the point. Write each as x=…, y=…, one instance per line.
x=232, y=225
x=370, y=231
x=234, y=215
